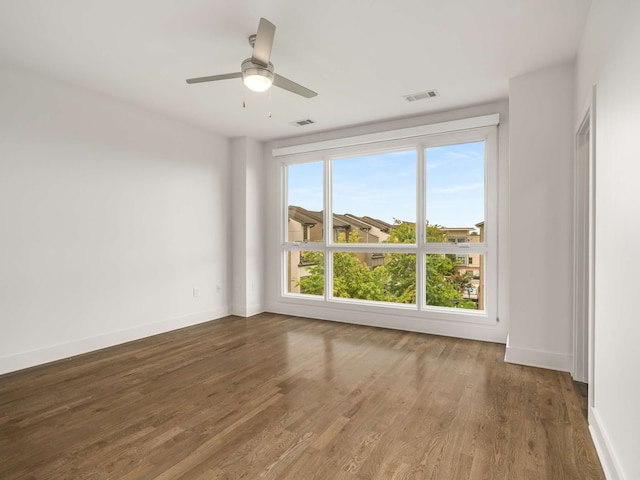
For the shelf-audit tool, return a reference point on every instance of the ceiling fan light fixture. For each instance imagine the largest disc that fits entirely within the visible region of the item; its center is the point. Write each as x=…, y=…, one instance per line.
x=257, y=82
x=256, y=77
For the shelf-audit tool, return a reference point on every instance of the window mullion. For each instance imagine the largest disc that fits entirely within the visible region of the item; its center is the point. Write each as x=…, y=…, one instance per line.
x=328, y=230
x=284, y=223
x=491, y=227
x=284, y=217
x=420, y=226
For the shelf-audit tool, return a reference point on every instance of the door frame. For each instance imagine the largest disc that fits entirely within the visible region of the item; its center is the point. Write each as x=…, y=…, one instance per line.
x=584, y=246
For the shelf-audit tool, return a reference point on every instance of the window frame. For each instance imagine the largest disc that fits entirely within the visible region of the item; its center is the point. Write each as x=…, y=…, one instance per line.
x=487, y=248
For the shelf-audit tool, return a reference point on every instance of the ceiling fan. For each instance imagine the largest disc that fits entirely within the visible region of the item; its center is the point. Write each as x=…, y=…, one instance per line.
x=257, y=72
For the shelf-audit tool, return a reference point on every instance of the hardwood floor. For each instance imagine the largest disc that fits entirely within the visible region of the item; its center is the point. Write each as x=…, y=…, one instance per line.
x=276, y=397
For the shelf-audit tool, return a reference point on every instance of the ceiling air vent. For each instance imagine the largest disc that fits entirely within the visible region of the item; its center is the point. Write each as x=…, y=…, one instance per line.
x=302, y=123
x=414, y=97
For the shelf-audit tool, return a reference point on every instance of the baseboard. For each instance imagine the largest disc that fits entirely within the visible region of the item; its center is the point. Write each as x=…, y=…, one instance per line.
x=394, y=319
x=602, y=443
x=247, y=310
x=52, y=353
x=538, y=358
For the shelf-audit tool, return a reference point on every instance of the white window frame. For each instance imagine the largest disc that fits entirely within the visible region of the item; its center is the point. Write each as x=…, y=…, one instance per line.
x=448, y=133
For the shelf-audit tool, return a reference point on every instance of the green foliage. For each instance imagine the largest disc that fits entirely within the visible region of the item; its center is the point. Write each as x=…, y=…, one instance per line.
x=314, y=283
x=440, y=291
x=395, y=280
x=402, y=232
x=435, y=234
x=402, y=266
x=353, y=278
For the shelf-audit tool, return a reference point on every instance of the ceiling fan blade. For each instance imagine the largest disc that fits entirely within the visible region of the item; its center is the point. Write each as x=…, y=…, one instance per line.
x=293, y=87
x=264, y=42
x=213, y=78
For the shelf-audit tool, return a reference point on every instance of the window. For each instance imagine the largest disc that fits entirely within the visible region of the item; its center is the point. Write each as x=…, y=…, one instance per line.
x=305, y=206
x=461, y=260
x=381, y=186
x=455, y=183
x=406, y=223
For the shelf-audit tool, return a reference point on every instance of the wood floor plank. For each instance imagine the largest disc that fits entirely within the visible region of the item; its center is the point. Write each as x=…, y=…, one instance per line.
x=280, y=397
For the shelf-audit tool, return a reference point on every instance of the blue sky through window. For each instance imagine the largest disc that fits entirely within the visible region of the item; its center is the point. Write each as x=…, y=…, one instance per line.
x=455, y=184
x=383, y=186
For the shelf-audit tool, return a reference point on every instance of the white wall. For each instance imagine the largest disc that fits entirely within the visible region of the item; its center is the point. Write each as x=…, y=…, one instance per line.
x=541, y=221
x=608, y=58
x=248, y=220
x=109, y=217
x=378, y=315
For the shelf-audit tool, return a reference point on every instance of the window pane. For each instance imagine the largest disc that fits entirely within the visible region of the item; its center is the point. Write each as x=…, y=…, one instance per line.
x=305, y=272
x=372, y=193
x=389, y=277
x=455, y=280
x=455, y=192
x=304, y=193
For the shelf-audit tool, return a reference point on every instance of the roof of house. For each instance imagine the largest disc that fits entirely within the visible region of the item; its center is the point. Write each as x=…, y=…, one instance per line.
x=464, y=230
x=379, y=224
x=313, y=217
x=304, y=216
x=353, y=220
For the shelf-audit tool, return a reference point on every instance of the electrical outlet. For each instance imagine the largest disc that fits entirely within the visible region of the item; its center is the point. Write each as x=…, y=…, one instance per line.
x=196, y=292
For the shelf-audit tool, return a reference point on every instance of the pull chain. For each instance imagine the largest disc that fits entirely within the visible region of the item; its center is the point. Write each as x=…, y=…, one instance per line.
x=244, y=95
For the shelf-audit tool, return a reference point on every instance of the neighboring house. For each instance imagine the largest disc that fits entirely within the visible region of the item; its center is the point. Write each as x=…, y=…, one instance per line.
x=306, y=226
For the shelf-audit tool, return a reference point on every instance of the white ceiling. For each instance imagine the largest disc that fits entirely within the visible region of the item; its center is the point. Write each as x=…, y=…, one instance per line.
x=361, y=56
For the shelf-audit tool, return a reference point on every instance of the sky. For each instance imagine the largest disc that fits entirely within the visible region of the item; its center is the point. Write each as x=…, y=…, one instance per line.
x=383, y=186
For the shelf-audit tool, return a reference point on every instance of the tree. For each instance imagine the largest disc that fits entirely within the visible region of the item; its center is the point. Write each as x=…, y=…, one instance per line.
x=462, y=281
x=314, y=283
x=402, y=266
x=440, y=290
x=435, y=233
x=351, y=277
x=395, y=280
